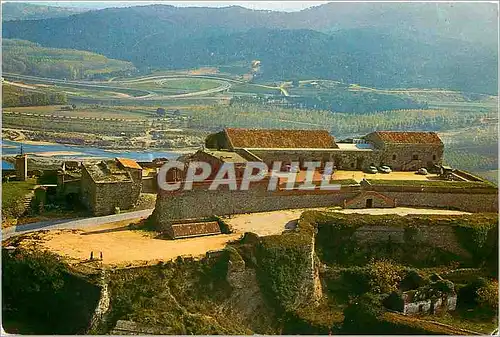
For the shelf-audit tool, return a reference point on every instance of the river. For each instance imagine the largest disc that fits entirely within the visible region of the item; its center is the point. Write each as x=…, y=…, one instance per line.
x=61, y=151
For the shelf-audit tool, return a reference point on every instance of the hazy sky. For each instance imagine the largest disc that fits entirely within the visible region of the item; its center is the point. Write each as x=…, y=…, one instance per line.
x=266, y=5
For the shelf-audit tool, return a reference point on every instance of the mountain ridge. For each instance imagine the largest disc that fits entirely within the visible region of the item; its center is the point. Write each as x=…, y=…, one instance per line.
x=311, y=42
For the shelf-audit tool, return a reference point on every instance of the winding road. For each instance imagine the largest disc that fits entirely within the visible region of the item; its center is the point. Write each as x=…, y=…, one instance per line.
x=73, y=223
x=224, y=85
x=122, y=88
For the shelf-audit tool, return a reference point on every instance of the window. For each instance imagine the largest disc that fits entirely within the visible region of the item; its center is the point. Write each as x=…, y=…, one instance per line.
x=415, y=157
x=352, y=164
x=433, y=157
x=393, y=157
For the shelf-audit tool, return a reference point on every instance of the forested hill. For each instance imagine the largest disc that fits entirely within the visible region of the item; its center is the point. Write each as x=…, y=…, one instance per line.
x=28, y=58
x=26, y=11
x=370, y=44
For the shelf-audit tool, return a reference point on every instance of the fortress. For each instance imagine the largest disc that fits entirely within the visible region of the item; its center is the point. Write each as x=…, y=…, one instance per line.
x=404, y=152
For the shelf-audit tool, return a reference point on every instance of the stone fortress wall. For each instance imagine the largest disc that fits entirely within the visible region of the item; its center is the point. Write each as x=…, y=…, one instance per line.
x=200, y=203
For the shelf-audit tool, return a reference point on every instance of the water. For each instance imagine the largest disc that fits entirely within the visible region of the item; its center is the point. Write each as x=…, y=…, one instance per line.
x=12, y=148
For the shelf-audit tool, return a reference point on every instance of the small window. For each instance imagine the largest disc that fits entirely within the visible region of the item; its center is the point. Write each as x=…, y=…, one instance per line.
x=433, y=157
x=415, y=157
x=352, y=164
x=393, y=157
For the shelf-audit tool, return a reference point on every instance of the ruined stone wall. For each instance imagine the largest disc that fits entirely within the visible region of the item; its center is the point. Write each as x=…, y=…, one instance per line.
x=87, y=190
x=150, y=185
x=200, y=202
x=115, y=194
x=440, y=236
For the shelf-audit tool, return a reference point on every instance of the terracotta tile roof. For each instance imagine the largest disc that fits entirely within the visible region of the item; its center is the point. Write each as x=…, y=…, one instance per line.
x=195, y=229
x=409, y=137
x=279, y=139
x=129, y=163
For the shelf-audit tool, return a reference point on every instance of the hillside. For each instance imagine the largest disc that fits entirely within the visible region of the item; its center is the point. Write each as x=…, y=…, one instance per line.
x=392, y=46
x=25, y=11
x=28, y=58
x=13, y=96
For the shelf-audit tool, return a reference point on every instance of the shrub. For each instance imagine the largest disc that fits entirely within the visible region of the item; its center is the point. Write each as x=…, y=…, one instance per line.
x=385, y=276
x=468, y=295
x=487, y=296
x=357, y=279
x=37, y=287
x=394, y=301
x=412, y=280
x=444, y=286
x=362, y=314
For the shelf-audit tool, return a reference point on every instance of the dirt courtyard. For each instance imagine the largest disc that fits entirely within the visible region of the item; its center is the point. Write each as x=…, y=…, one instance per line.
x=122, y=246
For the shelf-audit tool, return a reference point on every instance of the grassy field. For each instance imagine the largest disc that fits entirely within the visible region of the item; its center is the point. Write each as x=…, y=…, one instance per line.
x=13, y=196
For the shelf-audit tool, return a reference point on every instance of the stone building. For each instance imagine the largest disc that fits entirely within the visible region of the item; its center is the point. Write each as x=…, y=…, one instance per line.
x=269, y=145
x=403, y=151
x=110, y=184
x=241, y=146
x=407, y=151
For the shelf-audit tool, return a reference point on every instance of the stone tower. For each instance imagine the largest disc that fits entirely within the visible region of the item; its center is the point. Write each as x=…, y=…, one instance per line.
x=22, y=167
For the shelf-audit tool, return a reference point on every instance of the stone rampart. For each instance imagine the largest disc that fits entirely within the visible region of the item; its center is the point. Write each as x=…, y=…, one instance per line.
x=463, y=200
x=201, y=203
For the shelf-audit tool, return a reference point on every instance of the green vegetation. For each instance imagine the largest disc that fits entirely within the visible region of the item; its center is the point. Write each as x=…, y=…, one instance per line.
x=475, y=148
x=29, y=58
x=336, y=243
x=283, y=263
x=286, y=46
x=26, y=11
x=174, y=297
x=251, y=115
x=40, y=293
x=13, y=96
x=13, y=197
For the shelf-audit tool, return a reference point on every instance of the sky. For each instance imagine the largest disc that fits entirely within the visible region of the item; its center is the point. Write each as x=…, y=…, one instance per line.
x=287, y=6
